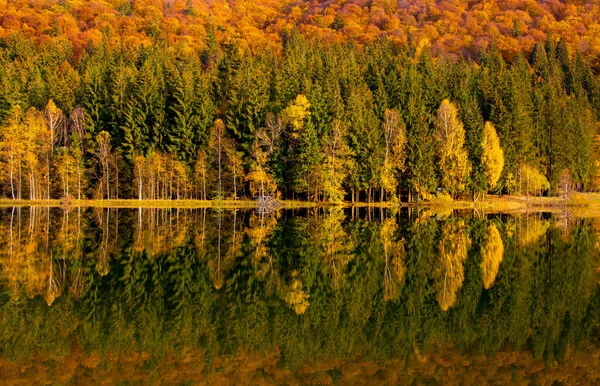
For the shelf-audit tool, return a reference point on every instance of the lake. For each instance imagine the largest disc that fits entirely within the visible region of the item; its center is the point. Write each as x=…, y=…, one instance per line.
x=307, y=296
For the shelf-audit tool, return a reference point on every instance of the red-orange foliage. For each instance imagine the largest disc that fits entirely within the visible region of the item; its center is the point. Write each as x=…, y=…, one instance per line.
x=456, y=27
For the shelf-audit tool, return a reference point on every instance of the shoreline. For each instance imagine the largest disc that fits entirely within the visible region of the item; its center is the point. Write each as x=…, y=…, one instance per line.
x=582, y=201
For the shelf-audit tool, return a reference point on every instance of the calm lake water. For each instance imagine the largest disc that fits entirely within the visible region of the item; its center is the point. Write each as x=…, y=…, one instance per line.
x=313, y=296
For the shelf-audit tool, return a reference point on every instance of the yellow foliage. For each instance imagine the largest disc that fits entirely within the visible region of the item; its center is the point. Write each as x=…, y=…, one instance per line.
x=261, y=183
x=452, y=155
x=492, y=253
x=493, y=155
x=296, y=113
x=532, y=181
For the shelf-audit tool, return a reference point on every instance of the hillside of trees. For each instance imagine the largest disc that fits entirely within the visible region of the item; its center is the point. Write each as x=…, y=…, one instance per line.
x=152, y=116
x=455, y=27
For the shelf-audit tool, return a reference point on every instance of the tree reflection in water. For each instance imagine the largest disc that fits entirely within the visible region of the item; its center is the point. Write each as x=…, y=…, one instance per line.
x=147, y=291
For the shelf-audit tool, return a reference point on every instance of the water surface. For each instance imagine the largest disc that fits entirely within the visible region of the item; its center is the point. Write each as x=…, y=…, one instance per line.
x=324, y=295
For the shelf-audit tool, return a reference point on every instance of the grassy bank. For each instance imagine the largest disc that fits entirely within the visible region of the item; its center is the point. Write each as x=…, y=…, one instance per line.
x=242, y=204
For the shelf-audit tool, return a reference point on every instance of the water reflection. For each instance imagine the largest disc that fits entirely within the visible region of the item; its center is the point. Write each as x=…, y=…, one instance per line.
x=295, y=288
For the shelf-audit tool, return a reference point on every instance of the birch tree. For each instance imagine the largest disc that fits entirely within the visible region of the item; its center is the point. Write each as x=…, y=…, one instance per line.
x=54, y=119
x=453, y=160
x=217, y=143
x=395, y=154
x=493, y=155
x=104, y=156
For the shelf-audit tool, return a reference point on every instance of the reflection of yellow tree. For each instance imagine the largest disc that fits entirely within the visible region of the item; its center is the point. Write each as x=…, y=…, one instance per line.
x=394, y=255
x=259, y=230
x=26, y=260
x=295, y=296
x=491, y=254
x=56, y=280
x=107, y=243
x=336, y=244
x=221, y=262
x=159, y=231
x=449, y=273
x=200, y=236
x=531, y=230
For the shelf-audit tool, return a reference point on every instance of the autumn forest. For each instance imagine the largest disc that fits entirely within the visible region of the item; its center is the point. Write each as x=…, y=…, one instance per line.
x=361, y=101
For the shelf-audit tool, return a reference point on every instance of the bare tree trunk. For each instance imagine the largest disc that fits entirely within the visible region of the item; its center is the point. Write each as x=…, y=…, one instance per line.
x=79, y=182
x=12, y=178
x=20, y=182
x=220, y=183
x=107, y=181
x=117, y=179
x=234, y=183
x=47, y=176
x=204, y=184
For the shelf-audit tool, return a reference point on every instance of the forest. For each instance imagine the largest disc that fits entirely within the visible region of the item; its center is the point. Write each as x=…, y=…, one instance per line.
x=303, y=117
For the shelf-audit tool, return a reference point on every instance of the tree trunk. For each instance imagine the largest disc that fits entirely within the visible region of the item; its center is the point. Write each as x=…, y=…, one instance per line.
x=12, y=178
x=107, y=183
x=79, y=182
x=47, y=177
x=20, y=182
x=234, y=183
x=117, y=179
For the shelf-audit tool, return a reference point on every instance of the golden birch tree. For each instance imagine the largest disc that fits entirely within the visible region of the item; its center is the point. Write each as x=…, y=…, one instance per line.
x=493, y=155
x=453, y=160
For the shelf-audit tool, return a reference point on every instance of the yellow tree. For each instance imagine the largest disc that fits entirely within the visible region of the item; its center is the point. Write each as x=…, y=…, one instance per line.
x=234, y=164
x=261, y=182
x=295, y=114
x=492, y=253
x=66, y=168
x=181, y=178
x=395, y=142
x=493, y=155
x=77, y=153
x=453, y=160
x=534, y=182
x=139, y=168
x=54, y=119
x=11, y=146
x=336, y=151
x=217, y=143
x=34, y=133
x=104, y=156
x=200, y=171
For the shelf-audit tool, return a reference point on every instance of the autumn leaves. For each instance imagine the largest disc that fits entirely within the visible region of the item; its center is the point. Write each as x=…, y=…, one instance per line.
x=452, y=155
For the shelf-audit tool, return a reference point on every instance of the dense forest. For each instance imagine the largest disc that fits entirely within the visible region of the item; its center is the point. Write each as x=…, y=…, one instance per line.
x=322, y=119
